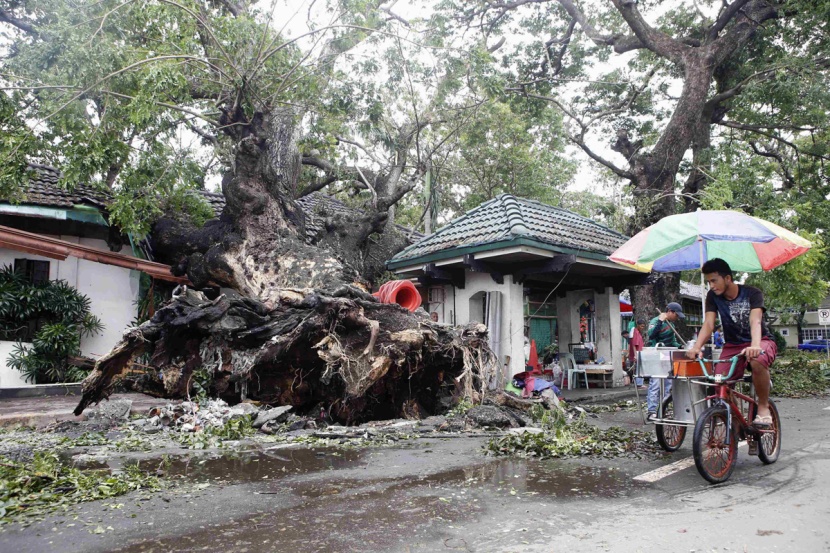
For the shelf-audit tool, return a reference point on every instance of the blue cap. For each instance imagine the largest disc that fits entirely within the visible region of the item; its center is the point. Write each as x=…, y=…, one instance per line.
x=677, y=308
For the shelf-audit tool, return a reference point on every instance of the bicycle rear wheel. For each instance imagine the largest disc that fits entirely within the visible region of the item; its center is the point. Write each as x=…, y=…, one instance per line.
x=715, y=455
x=669, y=436
x=769, y=443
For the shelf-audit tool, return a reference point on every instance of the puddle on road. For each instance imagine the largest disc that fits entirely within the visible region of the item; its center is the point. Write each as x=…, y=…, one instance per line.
x=382, y=513
x=252, y=466
x=546, y=478
x=553, y=479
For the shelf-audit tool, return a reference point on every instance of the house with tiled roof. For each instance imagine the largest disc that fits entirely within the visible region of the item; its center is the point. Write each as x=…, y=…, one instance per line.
x=58, y=234
x=514, y=263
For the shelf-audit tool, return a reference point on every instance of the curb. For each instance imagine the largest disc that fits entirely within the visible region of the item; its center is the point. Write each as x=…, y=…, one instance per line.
x=37, y=420
x=41, y=390
x=603, y=397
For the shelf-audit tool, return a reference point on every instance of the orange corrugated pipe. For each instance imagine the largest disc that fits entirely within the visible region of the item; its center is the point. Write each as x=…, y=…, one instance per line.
x=402, y=292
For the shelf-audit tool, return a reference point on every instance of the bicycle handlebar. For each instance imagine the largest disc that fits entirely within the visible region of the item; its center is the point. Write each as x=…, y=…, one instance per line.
x=720, y=377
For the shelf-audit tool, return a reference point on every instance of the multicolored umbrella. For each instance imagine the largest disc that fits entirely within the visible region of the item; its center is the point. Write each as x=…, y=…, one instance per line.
x=686, y=241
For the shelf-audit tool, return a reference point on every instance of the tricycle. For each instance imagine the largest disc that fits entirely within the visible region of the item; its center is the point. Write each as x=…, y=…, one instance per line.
x=719, y=408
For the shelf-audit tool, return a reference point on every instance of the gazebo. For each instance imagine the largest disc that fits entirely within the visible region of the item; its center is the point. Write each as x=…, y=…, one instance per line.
x=511, y=261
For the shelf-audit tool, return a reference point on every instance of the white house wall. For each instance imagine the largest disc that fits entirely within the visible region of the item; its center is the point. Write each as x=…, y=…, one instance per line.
x=511, y=335
x=112, y=291
x=9, y=377
x=790, y=333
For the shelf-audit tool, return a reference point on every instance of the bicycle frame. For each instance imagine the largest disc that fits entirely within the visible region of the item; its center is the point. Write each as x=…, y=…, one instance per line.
x=725, y=394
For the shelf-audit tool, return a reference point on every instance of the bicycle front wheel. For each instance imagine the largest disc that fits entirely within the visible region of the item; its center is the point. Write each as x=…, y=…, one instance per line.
x=715, y=448
x=769, y=442
x=669, y=436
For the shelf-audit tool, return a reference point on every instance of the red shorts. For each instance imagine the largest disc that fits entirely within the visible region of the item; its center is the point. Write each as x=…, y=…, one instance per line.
x=730, y=350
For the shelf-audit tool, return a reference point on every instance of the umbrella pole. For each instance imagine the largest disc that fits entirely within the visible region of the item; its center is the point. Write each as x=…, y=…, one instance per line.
x=703, y=293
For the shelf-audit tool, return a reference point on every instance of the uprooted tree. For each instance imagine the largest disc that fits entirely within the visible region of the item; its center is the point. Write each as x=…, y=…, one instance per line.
x=107, y=89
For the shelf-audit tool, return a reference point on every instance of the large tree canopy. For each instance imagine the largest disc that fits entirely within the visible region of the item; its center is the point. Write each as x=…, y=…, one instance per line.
x=673, y=97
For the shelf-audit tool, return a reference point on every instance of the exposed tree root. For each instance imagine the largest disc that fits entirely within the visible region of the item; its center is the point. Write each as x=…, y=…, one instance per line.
x=342, y=352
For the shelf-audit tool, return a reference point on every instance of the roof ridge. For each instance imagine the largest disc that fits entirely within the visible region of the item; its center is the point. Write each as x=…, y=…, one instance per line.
x=465, y=215
x=574, y=213
x=43, y=167
x=513, y=212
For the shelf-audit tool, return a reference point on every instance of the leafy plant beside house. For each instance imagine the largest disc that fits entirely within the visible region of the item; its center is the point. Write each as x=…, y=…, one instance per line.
x=780, y=341
x=54, y=316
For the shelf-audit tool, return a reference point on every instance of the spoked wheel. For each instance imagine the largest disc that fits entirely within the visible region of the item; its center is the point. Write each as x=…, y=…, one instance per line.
x=769, y=442
x=715, y=455
x=669, y=436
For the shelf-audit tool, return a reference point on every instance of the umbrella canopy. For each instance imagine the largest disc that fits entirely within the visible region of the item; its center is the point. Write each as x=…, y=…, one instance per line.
x=686, y=241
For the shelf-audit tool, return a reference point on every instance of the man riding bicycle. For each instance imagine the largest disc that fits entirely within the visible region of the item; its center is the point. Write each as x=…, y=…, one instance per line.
x=741, y=311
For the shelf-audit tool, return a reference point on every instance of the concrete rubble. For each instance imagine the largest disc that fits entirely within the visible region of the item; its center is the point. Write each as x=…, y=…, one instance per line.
x=190, y=416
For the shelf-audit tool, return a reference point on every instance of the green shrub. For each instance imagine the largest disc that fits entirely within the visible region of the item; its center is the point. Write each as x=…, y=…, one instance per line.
x=60, y=316
x=780, y=341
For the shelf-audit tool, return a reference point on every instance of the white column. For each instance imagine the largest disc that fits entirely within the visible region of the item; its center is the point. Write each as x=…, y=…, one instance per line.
x=512, y=330
x=608, y=330
x=564, y=329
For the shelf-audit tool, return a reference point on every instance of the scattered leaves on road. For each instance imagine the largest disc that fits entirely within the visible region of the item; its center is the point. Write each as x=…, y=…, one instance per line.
x=47, y=483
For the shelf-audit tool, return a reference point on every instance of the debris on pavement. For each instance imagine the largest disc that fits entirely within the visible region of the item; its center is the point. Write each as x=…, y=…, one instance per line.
x=190, y=416
x=113, y=410
x=108, y=448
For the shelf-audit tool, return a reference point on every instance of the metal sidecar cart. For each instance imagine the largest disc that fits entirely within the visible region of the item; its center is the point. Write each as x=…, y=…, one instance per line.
x=681, y=392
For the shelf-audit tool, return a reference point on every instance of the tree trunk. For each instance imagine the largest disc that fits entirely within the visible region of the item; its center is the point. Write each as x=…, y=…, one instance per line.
x=654, y=175
x=799, y=321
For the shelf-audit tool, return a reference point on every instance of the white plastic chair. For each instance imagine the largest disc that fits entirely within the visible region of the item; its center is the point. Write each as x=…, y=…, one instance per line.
x=569, y=363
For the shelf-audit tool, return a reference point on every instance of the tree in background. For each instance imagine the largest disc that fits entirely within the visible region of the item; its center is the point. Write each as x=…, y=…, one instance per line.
x=504, y=150
x=664, y=86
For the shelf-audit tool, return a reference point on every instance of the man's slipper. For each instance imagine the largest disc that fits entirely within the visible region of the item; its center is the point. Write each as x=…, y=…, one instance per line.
x=762, y=421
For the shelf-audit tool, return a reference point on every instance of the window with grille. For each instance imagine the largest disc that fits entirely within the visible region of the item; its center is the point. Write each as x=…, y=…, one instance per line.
x=436, y=294
x=35, y=271
x=694, y=313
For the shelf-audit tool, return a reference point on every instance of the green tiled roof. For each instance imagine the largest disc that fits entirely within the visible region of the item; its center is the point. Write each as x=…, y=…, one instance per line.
x=43, y=189
x=507, y=218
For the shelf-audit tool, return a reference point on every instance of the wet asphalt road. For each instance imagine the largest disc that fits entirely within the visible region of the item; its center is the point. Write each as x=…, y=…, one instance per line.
x=444, y=495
